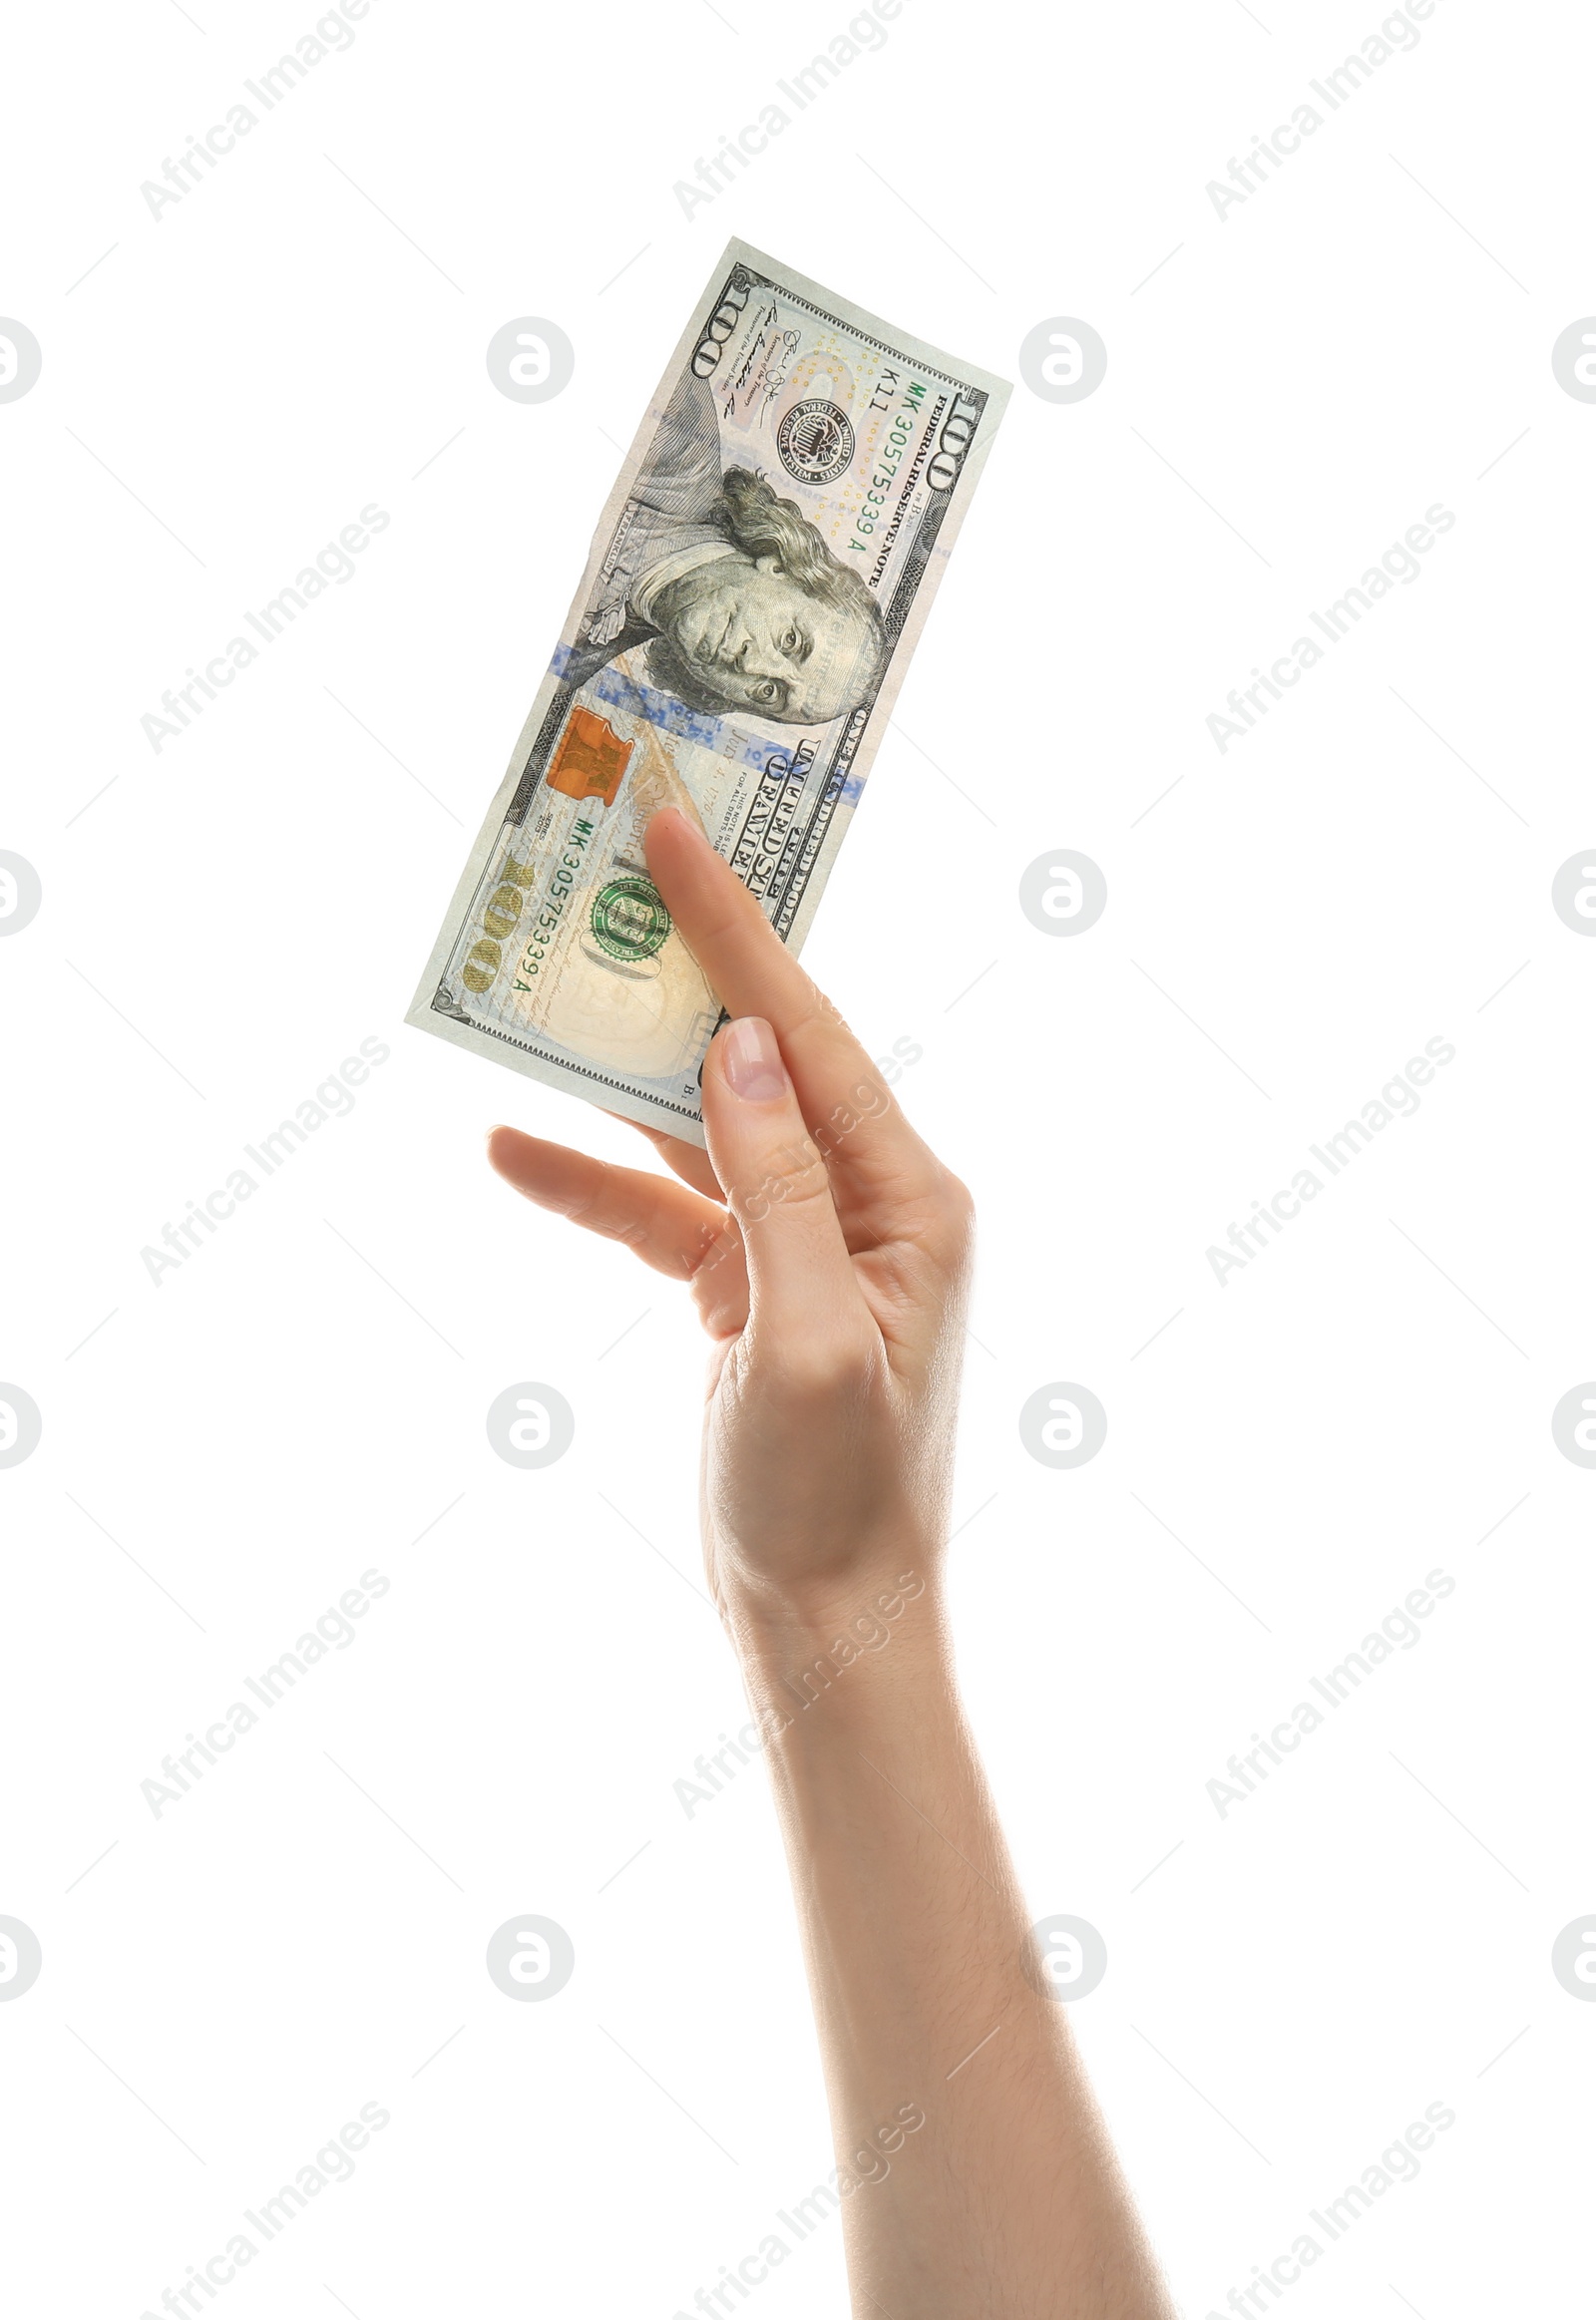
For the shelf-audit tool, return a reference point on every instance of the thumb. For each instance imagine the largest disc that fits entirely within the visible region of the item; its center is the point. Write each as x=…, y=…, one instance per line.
x=775, y=1181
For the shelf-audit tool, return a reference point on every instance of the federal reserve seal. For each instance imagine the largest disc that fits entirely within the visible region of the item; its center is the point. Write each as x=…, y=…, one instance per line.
x=629, y=920
x=816, y=442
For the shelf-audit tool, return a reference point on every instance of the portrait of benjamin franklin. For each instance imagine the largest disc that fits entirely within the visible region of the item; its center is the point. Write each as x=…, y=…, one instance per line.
x=735, y=596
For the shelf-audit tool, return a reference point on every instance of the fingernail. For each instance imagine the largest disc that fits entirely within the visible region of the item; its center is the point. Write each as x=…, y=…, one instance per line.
x=753, y=1065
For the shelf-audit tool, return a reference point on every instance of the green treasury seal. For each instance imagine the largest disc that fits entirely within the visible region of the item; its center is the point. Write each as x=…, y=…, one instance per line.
x=629, y=919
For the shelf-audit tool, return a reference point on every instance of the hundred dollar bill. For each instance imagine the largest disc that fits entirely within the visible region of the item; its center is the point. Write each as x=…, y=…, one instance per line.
x=755, y=587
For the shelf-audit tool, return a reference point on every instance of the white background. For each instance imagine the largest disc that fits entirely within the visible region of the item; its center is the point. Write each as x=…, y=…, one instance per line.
x=224, y=1454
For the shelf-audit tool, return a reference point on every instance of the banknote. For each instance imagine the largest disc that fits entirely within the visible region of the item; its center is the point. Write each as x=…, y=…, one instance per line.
x=757, y=583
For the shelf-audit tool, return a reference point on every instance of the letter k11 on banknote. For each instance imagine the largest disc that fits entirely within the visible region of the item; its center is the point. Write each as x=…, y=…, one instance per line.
x=757, y=583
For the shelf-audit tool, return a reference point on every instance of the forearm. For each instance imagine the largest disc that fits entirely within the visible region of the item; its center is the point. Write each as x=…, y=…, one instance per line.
x=1006, y=2200
x=830, y=1265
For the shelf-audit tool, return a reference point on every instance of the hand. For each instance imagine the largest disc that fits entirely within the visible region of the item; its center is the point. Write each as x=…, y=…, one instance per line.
x=828, y=1251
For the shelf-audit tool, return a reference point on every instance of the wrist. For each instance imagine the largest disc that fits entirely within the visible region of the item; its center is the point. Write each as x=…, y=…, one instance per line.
x=880, y=1629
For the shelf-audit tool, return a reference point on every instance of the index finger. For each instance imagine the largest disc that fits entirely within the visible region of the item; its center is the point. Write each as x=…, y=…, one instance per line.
x=846, y=1103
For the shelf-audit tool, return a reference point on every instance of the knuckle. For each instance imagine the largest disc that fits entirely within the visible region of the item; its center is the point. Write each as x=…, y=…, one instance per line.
x=794, y=1178
x=598, y=1208
x=578, y=1207
x=807, y=1183
x=953, y=1215
x=943, y=1226
x=957, y=1199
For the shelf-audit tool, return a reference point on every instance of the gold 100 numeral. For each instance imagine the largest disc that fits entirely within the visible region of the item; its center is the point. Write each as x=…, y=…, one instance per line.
x=498, y=919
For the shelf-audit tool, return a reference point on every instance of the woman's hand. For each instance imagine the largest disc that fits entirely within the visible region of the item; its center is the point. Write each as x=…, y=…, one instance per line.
x=828, y=1253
